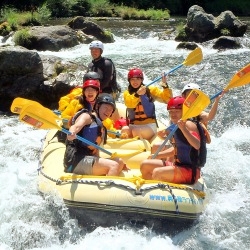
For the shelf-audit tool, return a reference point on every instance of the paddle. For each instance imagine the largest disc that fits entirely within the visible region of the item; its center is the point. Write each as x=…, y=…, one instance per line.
x=18, y=103
x=195, y=102
x=242, y=77
x=42, y=118
x=194, y=57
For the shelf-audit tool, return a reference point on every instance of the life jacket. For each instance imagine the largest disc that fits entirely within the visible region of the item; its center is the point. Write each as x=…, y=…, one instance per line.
x=144, y=112
x=65, y=100
x=188, y=156
x=76, y=149
x=100, y=67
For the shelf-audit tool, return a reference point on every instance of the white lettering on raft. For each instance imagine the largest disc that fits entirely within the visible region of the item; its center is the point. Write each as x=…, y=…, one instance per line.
x=179, y=199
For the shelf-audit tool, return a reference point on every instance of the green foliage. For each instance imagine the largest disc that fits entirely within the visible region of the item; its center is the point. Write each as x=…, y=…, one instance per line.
x=101, y=8
x=225, y=32
x=131, y=13
x=81, y=8
x=43, y=13
x=28, y=19
x=108, y=34
x=61, y=8
x=65, y=8
x=10, y=16
x=181, y=34
x=22, y=38
x=5, y=29
x=15, y=18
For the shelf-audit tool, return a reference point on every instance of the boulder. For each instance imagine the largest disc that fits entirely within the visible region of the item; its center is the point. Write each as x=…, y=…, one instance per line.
x=41, y=78
x=90, y=28
x=53, y=38
x=226, y=42
x=187, y=45
x=21, y=73
x=201, y=27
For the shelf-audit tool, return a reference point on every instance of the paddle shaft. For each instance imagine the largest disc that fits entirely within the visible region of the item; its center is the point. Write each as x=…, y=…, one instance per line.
x=87, y=142
x=194, y=57
x=165, y=141
x=165, y=74
x=216, y=95
x=239, y=79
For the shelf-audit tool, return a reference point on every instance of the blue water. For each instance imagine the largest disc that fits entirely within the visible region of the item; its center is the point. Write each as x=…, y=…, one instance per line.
x=29, y=221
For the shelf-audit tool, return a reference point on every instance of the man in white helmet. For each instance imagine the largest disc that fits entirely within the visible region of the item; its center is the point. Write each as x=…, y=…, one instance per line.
x=204, y=116
x=105, y=68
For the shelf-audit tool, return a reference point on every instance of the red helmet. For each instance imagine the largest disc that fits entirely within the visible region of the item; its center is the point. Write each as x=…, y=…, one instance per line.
x=135, y=73
x=175, y=103
x=92, y=83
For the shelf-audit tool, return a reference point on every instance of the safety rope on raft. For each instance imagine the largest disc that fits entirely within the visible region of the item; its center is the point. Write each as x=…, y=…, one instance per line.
x=136, y=180
x=112, y=183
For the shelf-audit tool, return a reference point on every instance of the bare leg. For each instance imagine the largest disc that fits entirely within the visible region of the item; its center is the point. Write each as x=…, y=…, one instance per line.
x=107, y=167
x=148, y=166
x=165, y=173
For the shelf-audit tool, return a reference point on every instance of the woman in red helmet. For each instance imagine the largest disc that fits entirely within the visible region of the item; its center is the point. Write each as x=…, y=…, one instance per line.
x=185, y=150
x=139, y=101
x=76, y=92
x=82, y=158
x=90, y=91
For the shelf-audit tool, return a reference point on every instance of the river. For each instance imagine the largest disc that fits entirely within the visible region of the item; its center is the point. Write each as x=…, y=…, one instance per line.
x=29, y=221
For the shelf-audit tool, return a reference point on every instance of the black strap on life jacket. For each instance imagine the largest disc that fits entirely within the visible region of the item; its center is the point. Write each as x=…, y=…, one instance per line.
x=202, y=151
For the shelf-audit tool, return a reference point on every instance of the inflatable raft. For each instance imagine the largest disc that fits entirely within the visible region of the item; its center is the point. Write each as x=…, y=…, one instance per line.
x=127, y=199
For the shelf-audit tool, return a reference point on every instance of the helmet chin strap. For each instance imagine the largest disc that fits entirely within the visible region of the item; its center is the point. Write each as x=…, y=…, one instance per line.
x=98, y=114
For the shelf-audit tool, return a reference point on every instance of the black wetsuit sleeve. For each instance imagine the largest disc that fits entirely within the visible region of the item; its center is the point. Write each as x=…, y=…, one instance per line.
x=107, y=74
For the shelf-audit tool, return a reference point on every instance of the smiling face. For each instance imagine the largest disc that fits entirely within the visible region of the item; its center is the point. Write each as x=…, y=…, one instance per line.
x=95, y=53
x=105, y=111
x=90, y=94
x=135, y=82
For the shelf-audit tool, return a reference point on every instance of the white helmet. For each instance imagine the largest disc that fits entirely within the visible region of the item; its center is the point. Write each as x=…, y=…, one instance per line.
x=190, y=86
x=96, y=44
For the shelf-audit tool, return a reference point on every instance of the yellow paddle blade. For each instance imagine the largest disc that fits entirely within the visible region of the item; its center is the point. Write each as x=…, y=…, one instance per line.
x=241, y=78
x=40, y=117
x=18, y=103
x=196, y=102
x=194, y=57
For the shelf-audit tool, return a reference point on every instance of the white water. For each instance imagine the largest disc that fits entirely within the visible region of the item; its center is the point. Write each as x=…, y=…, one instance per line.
x=29, y=221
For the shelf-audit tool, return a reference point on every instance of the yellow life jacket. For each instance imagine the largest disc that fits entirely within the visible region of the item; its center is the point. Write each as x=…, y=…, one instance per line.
x=65, y=100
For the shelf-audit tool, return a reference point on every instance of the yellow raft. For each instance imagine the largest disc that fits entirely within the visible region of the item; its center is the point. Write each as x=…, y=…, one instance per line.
x=127, y=199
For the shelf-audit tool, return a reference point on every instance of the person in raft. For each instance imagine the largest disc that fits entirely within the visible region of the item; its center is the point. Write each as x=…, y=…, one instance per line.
x=203, y=118
x=89, y=92
x=76, y=94
x=83, y=159
x=188, y=151
x=105, y=68
x=84, y=97
x=139, y=101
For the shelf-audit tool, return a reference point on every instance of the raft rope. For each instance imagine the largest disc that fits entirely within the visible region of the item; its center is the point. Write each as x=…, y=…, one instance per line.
x=138, y=181
x=74, y=179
